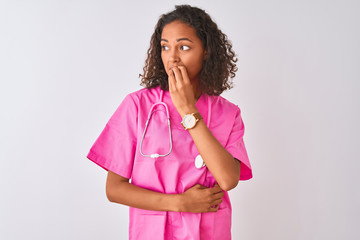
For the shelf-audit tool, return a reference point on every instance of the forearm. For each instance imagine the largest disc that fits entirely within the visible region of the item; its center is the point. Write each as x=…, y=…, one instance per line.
x=130, y=195
x=219, y=161
x=223, y=166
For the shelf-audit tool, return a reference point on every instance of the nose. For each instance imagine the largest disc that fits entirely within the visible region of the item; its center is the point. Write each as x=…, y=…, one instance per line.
x=174, y=56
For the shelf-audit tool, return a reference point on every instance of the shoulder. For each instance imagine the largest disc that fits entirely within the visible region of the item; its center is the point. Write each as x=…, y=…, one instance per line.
x=221, y=103
x=144, y=94
x=132, y=101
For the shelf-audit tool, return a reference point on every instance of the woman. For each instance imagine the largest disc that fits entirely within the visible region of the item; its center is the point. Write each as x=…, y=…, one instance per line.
x=180, y=170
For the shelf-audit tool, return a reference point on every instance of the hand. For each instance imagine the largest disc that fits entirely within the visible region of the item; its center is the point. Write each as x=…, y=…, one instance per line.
x=181, y=90
x=199, y=199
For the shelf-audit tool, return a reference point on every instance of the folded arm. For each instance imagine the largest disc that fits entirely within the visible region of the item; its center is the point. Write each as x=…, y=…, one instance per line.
x=196, y=199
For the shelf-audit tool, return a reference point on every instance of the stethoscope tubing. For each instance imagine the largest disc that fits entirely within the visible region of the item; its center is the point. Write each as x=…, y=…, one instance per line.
x=156, y=155
x=198, y=163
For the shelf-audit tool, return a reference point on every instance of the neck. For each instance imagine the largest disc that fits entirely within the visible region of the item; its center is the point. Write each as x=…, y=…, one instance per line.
x=197, y=90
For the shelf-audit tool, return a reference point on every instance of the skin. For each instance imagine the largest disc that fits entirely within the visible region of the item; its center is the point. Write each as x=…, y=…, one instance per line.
x=182, y=55
x=181, y=48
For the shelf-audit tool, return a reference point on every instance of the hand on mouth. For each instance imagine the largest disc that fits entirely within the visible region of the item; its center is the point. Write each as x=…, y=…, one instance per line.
x=174, y=65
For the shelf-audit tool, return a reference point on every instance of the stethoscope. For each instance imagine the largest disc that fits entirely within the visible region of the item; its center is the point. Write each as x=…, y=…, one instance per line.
x=199, y=162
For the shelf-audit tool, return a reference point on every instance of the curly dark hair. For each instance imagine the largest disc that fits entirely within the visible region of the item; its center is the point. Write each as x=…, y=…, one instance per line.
x=218, y=65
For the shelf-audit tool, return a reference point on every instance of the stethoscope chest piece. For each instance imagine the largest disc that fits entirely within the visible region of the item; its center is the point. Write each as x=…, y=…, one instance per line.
x=199, y=162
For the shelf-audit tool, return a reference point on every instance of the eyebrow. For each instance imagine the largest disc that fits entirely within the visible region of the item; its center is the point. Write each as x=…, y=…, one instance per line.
x=178, y=40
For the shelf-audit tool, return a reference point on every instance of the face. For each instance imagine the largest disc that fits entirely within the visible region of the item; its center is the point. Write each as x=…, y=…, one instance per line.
x=180, y=46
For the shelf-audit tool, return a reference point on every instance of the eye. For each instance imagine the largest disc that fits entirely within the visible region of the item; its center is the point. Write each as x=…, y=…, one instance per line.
x=163, y=47
x=185, y=48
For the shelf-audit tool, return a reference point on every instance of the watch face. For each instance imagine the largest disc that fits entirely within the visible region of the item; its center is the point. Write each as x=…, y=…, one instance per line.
x=189, y=121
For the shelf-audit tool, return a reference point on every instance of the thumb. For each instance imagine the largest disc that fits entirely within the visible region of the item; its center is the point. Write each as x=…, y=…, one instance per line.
x=200, y=186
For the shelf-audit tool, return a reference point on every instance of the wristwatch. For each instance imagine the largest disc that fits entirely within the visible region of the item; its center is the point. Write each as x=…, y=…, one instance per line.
x=190, y=120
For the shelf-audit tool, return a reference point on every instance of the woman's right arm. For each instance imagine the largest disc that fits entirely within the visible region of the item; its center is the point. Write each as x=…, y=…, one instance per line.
x=196, y=199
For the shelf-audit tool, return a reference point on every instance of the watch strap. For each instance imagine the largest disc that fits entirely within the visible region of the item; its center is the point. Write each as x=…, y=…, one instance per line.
x=197, y=116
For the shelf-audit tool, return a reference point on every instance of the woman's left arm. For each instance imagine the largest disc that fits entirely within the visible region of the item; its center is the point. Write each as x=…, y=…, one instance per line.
x=223, y=166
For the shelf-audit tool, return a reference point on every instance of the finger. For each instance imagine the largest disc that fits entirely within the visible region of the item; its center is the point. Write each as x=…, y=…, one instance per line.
x=216, y=202
x=184, y=74
x=201, y=186
x=171, y=79
x=213, y=209
x=217, y=186
x=218, y=195
x=178, y=75
x=216, y=189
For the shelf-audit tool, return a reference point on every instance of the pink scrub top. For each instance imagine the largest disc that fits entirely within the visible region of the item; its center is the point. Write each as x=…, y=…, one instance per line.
x=118, y=149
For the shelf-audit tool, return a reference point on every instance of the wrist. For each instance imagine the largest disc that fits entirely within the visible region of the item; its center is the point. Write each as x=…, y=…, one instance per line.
x=190, y=120
x=177, y=203
x=188, y=110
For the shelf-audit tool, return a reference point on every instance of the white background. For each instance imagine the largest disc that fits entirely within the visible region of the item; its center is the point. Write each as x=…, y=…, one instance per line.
x=65, y=66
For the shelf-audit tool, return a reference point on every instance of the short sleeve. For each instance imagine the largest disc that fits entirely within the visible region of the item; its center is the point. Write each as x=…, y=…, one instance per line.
x=115, y=148
x=236, y=147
